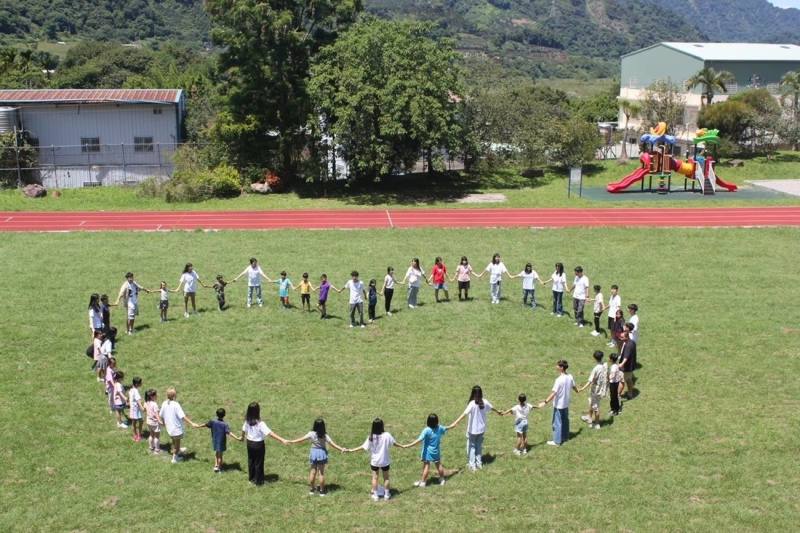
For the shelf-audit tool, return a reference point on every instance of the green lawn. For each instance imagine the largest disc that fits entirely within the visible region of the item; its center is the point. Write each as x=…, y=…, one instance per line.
x=420, y=191
x=708, y=445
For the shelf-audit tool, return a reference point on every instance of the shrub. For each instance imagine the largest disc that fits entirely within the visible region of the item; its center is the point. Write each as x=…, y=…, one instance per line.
x=151, y=187
x=186, y=186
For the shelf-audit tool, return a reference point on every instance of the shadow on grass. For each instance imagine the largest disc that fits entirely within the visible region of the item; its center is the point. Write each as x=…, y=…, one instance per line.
x=488, y=459
x=422, y=188
x=231, y=467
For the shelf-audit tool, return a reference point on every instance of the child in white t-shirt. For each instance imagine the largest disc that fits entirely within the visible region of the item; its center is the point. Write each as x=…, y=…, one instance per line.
x=529, y=277
x=163, y=300
x=378, y=444
x=599, y=306
x=521, y=412
x=118, y=403
x=135, y=408
x=476, y=412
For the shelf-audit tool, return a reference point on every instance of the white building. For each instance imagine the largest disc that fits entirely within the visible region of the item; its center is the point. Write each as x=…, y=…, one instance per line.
x=99, y=136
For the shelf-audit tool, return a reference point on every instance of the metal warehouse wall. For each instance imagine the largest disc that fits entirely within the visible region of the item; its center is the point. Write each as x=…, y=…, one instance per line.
x=641, y=69
x=65, y=125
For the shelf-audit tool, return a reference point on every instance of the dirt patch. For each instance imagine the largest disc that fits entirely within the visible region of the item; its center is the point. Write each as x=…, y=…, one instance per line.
x=487, y=198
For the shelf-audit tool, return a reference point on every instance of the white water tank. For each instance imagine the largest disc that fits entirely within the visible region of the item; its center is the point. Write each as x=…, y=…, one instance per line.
x=8, y=119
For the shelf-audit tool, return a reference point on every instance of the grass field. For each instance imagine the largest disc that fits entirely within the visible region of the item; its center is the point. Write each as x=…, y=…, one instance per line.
x=549, y=191
x=708, y=445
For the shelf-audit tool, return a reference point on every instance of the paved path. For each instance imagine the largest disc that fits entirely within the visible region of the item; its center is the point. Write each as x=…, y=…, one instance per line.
x=399, y=218
x=785, y=186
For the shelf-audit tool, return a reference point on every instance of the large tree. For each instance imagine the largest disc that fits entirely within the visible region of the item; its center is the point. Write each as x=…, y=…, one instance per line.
x=790, y=97
x=711, y=80
x=664, y=101
x=385, y=93
x=264, y=68
x=630, y=109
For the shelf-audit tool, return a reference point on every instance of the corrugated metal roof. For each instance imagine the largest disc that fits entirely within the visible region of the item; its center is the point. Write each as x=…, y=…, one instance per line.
x=80, y=96
x=734, y=51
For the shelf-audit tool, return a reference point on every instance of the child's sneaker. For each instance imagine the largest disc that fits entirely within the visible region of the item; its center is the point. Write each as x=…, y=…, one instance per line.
x=182, y=450
x=525, y=452
x=323, y=492
x=596, y=426
x=175, y=459
x=387, y=496
x=517, y=452
x=312, y=491
x=216, y=470
x=442, y=481
x=595, y=333
x=552, y=443
x=375, y=497
x=388, y=313
x=186, y=315
x=122, y=425
x=420, y=483
x=586, y=419
x=363, y=326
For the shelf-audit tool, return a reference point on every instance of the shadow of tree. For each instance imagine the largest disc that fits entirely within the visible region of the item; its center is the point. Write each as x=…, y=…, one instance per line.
x=422, y=188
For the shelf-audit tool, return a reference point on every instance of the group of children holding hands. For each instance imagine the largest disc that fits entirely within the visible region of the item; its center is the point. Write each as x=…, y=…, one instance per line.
x=170, y=417
x=604, y=379
x=360, y=293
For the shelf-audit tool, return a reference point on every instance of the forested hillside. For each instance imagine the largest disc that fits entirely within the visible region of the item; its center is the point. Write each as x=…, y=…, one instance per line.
x=118, y=20
x=739, y=20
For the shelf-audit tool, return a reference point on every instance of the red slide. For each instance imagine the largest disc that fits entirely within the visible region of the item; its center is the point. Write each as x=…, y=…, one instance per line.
x=627, y=181
x=730, y=186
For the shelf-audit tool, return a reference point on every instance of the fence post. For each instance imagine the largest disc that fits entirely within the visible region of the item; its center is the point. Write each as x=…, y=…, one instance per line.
x=53, y=163
x=160, y=168
x=124, y=169
x=16, y=151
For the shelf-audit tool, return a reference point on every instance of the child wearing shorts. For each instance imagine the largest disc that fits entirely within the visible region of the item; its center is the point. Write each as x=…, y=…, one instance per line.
x=439, y=279
x=431, y=439
x=136, y=408
x=305, y=289
x=154, y=421
x=521, y=412
x=219, y=437
x=324, y=289
x=463, y=273
x=118, y=403
x=598, y=381
x=318, y=456
x=284, y=284
x=163, y=300
x=378, y=445
x=219, y=288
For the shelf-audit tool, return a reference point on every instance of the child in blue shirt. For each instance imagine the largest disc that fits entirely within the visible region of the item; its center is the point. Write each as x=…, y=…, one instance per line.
x=431, y=439
x=219, y=433
x=284, y=284
x=372, y=299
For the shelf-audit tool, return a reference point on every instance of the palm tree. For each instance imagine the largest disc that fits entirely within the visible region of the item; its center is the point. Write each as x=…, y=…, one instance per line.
x=710, y=79
x=630, y=109
x=790, y=89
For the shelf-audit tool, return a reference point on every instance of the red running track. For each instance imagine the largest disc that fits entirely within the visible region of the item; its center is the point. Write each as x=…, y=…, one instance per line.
x=399, y=218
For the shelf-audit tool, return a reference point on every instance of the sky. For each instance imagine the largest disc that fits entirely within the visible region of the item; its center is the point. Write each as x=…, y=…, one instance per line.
x=786, y=3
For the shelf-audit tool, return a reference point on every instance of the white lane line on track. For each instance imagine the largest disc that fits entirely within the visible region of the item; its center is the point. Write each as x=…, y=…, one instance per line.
x=391, y=224
x=9, y=219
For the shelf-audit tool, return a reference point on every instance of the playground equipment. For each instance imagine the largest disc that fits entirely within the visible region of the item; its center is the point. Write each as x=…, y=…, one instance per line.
x=657, y=161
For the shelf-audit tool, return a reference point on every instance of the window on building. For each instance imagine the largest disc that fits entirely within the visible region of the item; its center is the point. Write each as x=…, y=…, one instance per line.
x=142, y=144
x=90, y=144
x=157, y=110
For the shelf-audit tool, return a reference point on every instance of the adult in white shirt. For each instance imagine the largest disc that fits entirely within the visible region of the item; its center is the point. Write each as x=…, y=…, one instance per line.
x=633, y=318
x=414, y=276
x=173, y=416
x=559, y=281
x=476, y=412
x=561, y=396
x=189, y=280
x=580, y=293
x=496, y=269
x=254, y=274
x=255, y=431
x=614, y=303
x=357, y=295
x=129, y=295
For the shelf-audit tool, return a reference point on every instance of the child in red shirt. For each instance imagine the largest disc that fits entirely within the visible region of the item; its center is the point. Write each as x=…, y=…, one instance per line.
x=439, y=279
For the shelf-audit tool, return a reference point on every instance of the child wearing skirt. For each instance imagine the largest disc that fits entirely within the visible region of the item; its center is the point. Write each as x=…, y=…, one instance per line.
x=318, y=456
